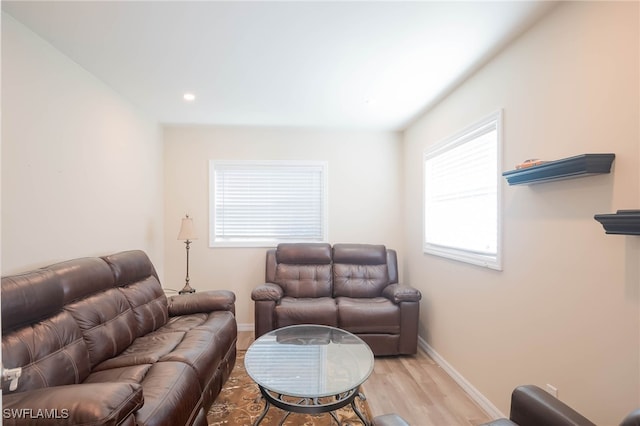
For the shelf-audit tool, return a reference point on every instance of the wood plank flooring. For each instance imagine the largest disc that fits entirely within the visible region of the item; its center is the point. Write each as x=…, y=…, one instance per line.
x=414, y=387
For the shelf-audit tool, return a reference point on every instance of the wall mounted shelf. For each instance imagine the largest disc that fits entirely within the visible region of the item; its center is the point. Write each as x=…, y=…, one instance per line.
x=567, y=168
x=624, y=222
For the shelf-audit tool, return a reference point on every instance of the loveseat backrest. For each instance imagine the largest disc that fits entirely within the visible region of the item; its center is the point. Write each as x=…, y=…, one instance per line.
x=38, y=335
x=360, y=270
x=301, y=269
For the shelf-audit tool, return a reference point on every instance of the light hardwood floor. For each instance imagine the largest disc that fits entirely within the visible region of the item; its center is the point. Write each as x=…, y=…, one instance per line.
x=414, y=387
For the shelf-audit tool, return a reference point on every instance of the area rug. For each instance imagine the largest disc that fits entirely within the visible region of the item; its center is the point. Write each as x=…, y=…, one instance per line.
x=240, y=404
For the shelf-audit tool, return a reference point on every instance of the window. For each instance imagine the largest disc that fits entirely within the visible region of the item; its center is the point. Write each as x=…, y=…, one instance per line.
x=260, y=204
x=461, y=195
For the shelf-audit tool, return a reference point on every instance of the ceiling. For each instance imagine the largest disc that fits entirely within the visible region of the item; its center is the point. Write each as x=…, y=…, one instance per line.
x=339, y=64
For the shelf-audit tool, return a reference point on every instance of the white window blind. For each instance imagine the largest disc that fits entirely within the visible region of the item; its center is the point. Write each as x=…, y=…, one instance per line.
x=263, y=203
x=461, y=188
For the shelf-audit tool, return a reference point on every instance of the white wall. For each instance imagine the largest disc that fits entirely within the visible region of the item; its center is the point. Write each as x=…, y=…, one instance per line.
x=81, y=167
x=564, y=310
x=364, y=196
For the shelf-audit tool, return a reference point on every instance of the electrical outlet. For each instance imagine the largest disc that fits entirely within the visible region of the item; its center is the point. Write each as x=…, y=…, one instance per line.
x=552, y=390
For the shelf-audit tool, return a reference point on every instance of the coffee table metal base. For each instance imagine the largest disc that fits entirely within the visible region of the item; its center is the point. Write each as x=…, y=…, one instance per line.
x=311, y=405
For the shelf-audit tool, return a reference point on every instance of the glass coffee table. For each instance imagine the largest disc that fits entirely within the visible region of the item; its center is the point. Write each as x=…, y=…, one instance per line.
x=309, y=369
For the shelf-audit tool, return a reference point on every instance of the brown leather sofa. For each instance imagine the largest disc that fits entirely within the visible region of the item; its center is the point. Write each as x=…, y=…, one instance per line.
x=99, y=343
x=350, y=286
x=532, y=406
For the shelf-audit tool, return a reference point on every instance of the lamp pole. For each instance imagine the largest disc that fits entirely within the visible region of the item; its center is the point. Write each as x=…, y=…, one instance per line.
x=187, y=234
x=187, y=288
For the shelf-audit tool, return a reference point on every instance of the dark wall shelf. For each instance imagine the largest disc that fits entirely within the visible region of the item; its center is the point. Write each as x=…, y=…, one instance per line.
x=567, y=168
x=624, y=222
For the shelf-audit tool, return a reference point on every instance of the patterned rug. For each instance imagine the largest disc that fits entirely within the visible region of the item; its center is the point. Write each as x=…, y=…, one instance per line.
x=240, y=404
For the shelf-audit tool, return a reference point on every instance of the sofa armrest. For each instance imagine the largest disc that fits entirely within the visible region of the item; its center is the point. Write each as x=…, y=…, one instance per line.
x=204, y=301
x=401, y=293
x=267, y=291
x=532, y=406
x=91, y=403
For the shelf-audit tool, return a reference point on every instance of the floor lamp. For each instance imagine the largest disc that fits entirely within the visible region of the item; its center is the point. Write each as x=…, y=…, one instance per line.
x=187, y=234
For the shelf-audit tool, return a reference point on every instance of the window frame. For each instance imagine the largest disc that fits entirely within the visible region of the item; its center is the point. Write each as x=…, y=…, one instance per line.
x=458, y=139
x=214, y=242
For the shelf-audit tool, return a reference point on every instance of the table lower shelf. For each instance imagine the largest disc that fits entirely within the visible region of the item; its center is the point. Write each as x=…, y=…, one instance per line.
x=320, y=405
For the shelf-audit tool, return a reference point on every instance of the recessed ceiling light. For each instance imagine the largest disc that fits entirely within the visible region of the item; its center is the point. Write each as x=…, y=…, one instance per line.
x=189, y=97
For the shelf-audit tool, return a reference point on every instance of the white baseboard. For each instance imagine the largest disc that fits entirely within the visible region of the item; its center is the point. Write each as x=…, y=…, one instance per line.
x=474, y=393
x=245, y=327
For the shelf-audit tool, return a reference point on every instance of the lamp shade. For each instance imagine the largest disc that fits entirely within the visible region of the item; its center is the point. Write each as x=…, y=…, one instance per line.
x=187, y=231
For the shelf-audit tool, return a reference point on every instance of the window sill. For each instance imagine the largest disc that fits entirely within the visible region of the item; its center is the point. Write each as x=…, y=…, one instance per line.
x=485, y=261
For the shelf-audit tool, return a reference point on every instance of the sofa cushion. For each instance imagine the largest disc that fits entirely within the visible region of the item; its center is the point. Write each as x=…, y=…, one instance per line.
x=51, y=352
x=372, y=315
x=129, y=374
x=359, y=270
x=144, y=350
x=304, y=253
x=83, y=277
x=321, y=310
x=359, y=280
x=38, y=335
x=133, y=271
x=129, y=267
x=301, y=269
x=304, y=280
x=171, y=390
x=148, y=303
x=360, y=254
x=29, y=297
x=184, y=323
x=200, y=343
x=107, y=324
x=75, y=405
x=204, y=346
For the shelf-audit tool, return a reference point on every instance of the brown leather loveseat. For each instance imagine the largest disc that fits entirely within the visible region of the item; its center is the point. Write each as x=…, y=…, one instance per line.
x=98, y=342
x=350, y=286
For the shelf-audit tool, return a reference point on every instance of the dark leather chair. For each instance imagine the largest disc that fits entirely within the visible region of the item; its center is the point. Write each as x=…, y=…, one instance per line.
x=532, y=406
x=350, y=286
x=632, y=419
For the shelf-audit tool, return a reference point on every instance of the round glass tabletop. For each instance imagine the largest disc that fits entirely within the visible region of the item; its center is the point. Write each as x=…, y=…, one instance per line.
x=309, y=361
